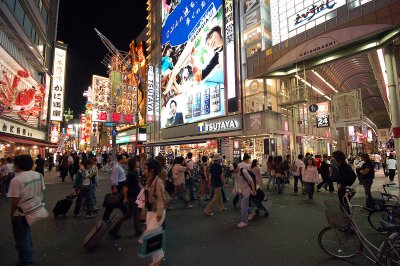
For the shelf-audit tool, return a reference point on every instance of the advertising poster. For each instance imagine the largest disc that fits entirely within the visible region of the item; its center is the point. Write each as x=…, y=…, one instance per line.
x=101, y=94
x=347, y=107
x=192, y=63
x=57, y=92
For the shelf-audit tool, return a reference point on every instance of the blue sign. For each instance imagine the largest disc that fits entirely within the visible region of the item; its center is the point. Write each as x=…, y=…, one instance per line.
x=313, y=108
x=114, y=132
x=109, y=124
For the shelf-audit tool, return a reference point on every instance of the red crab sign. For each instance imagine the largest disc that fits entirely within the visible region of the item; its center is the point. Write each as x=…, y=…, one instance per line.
x=22, y=100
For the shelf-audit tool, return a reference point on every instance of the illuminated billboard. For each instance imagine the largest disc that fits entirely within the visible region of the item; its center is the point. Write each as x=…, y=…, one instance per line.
x=57, y=92
x=192, y=63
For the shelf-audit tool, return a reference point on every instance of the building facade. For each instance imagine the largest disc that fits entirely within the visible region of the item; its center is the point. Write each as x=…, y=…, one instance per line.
x=27, y=42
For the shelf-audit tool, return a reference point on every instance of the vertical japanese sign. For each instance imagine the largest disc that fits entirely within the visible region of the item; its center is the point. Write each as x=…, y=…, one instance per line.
x=150, y=94
x=101, y=94
x=116, y=81
x=157, y=92
x=347, y=107
x=57, y=93
x=322, y=117
x=46, y=97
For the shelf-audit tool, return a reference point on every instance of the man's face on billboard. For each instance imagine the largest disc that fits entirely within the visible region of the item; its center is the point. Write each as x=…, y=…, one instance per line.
x=173, y=107
x=215, y=40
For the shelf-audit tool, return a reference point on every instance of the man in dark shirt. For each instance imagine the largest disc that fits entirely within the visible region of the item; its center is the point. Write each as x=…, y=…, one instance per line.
x=217, y=181
x=175, y=118
x=324, y=171
x=39, y=164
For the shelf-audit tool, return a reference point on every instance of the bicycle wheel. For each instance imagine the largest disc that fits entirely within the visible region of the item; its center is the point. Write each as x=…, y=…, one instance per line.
x=339, y=243
x=375, y=217
x=393, y=257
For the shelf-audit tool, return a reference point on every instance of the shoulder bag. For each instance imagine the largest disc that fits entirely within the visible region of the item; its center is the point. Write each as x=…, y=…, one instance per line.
x=33, y=210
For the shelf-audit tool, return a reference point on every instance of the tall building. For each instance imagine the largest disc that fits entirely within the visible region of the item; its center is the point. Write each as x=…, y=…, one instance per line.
x=27, y=40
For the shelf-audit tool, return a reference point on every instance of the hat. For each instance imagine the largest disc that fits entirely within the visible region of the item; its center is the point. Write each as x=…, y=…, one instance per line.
x=246, y=156
x=216, y=157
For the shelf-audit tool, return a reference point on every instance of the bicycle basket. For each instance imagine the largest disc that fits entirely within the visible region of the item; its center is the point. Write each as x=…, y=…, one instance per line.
x=335, y=216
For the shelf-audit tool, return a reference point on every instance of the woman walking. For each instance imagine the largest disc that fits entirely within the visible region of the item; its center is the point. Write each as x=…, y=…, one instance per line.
x=391, y=165
x=255, y=168
x=270, y=171
x=178, y=177
x=217, y=181
x=279, y=174
x=310, y=177
x=154, y=196
x=367, y=178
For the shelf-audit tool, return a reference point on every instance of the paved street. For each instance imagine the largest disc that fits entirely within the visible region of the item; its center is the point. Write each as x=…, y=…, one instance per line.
x=287, y=237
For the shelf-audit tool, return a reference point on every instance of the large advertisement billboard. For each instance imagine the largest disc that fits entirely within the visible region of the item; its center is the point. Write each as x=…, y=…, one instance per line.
x=57, y=92
x=192, y=64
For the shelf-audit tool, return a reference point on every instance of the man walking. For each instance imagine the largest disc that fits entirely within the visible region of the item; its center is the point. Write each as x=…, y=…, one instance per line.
x=26, y=185
x=189, y=176
x=217, y=181
x=118, y=177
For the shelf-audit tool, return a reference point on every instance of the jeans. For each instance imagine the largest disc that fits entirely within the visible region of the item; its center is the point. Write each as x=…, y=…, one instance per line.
x=392, y=173
x=367, y=189
x=280, y=183
x=93, y=194
x=296, y=180
x=244, y=208
x=288, y=175
x=224, y=198
x=23, y=238
x=310, y=189
x=84, y=193
x=133, y=211
x=217, y=199
x=190, y=187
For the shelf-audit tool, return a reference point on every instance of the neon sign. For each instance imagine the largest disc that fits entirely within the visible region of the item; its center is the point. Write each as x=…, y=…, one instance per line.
x=313, y=10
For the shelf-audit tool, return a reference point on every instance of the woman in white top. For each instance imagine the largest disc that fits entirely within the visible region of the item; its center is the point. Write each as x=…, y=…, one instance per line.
x=391, y=166
x=255, y=168
x=310, y=177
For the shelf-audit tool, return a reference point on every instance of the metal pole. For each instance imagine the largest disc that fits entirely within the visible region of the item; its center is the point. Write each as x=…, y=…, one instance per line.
x=394, y=97
x=114, y=144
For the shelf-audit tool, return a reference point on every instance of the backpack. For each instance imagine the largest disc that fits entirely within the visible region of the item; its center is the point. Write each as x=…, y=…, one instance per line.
x=253, y=176
x=348, y=175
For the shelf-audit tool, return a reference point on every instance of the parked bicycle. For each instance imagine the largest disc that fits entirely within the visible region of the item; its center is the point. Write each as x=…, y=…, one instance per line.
x=228, y=177
x=343, y=238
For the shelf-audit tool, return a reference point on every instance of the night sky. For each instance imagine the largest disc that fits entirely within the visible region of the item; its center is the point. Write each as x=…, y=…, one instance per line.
x=120, y=21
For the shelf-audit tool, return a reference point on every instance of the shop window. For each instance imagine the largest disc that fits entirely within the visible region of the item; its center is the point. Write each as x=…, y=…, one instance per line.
x=253, y=49
x=27, y=26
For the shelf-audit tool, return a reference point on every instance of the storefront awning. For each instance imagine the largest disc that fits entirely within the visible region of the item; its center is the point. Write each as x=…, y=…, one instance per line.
x=26, y=141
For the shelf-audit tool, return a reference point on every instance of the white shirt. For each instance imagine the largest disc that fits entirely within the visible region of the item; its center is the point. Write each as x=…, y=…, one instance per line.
x=118, y=174
x=299, y=164
x=70, y=160
x=391, y=164
x=3, y=170
x=241, y=185
x=190, y=165
x=26, y=185
x=99, y=159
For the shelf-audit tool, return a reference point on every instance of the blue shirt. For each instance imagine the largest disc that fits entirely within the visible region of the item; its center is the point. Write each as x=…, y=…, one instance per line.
x=118, y=174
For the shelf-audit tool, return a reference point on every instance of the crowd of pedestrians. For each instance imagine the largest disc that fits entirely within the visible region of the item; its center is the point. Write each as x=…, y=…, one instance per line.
x=141, y=181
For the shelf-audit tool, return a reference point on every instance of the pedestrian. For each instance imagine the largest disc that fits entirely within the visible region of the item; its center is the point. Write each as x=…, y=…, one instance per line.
x=26, y=184
x=391, y=165
x=310, y=177
x=324, y=171
x=217, y=181
x=189, y=175
x=82, y=186
x=338, y=174
x=270, y=171
x=178, y=178
x=299, y=164
x=367, y=178
x=99, y=160
x=154, y=197
x=3, y=177
x=64, y=167
x=280, y=175
x=39, y=164
x=93, y=184
x=204, y=181
x=286, y=168
x=51, y=161
x=245, y=186
x=255, y=168
x=131, y=189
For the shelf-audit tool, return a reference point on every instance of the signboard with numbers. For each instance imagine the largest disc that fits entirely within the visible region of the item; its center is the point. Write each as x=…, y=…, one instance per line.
x=57, y=95
x=57, y=92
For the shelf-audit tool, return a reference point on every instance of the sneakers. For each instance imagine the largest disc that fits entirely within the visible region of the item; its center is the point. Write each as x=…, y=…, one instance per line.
x=209, y=213
x=223, y=210
x=251, y=216
x=241, y=225
x=189, y=206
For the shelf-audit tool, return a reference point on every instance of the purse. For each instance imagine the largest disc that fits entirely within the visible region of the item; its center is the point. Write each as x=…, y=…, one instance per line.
x=151, y=241
x=33, y=209
x=112, y=200
x=140, y=200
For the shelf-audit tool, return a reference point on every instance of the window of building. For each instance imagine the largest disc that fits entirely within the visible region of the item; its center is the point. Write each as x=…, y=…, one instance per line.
x=19, y=13
x=11, y=4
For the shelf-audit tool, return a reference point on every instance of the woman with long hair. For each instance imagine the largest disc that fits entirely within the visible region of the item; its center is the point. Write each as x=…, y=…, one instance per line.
x=279, y=174
x=154, y=195
x=255, y=168
x=270, y=171
x=204, y=177
x=367, y=178
x=310, y=177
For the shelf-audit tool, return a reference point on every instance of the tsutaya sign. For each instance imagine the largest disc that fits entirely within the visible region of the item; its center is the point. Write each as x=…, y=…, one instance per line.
x=226, y=124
